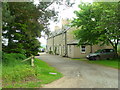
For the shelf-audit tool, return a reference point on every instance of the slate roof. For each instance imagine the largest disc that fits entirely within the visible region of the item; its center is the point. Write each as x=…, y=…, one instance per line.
x=58, y=32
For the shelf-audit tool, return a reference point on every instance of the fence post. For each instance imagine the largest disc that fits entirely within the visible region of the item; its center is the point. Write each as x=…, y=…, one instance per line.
x=32, y=61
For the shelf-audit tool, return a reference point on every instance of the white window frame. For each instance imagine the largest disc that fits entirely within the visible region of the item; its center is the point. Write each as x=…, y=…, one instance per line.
x=83, y=50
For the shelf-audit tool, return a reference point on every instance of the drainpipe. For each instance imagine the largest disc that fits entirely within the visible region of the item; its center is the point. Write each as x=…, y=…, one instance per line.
x=91, y=48
x=53, y=44
x=66, y=44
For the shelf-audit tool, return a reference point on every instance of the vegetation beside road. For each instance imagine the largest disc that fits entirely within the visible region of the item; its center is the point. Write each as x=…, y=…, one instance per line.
x=110, y=63
x=101, y=27
x=17, y=74
x=22, y=26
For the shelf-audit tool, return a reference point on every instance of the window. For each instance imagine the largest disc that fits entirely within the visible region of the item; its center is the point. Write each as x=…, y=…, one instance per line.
x=108, y=50
x=82, y=49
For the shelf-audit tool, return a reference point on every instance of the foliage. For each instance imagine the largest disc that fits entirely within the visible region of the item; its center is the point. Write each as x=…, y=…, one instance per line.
x=26, y=75
x=12, y=59
x=98, y=23
x=85, y=24
x=17, y=73
x=22, y=24
x=6, y=14
x=50, y=52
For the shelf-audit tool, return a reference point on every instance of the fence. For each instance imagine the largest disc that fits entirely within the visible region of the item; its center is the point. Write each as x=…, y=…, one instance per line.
x=30, y=58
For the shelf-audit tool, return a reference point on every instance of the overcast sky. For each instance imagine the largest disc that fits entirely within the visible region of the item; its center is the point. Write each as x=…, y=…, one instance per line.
x=64, y=12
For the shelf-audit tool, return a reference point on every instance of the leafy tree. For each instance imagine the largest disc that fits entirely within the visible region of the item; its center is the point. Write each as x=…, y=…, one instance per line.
x=28, y=22
x=98, y=23
x=86, y=22
x=109, y=24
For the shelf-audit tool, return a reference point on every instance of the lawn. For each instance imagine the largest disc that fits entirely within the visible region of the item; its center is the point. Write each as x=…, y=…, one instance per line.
x=110, y=63
x=22, y=75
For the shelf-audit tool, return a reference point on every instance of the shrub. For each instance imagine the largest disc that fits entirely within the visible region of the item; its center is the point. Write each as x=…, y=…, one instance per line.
x=15, y=70
x=50, y=52
x=12, y=58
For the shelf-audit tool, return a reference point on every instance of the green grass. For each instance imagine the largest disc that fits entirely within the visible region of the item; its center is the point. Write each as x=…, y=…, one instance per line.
x=22, y=75
x=110, y=63
x=29, y=84
x=43, y=72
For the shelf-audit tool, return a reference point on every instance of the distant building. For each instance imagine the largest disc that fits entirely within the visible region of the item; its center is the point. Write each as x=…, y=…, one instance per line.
x=62, y=42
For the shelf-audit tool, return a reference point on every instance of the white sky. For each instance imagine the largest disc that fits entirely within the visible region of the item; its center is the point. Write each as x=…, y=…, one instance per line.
x=65, y=12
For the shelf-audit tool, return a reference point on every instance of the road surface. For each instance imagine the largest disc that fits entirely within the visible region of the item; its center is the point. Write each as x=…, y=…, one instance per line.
x=80, y=74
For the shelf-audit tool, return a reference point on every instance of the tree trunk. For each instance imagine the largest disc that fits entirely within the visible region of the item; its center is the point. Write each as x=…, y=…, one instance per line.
x=115, y=48
x=91, y=51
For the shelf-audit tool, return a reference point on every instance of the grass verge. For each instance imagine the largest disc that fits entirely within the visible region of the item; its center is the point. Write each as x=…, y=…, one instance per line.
x=110, y=63
x=22, y=75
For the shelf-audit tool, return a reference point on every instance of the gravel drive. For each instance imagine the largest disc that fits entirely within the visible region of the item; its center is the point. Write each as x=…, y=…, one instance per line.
x=80, y=74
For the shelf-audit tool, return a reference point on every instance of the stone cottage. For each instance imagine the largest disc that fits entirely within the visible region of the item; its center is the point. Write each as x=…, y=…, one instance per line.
x=62, y=42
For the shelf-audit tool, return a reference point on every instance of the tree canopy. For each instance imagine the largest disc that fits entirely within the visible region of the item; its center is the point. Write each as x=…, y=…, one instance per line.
x=98, y=23
x=22, y=24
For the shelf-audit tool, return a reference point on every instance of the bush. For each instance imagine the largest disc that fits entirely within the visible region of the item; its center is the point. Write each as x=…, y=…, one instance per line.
x=50, y=52
x=19, y=76
x=15, y=70
x=12, y=58
x=17, y=73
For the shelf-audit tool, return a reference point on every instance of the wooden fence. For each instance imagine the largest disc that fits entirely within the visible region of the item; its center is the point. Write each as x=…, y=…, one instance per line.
x=30, y=58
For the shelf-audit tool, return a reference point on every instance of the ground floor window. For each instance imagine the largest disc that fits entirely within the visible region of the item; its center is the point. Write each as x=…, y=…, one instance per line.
x=83, y=49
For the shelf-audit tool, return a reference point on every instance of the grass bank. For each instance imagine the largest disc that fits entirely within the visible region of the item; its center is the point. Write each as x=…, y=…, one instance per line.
x=21, y=75
x=110, y=63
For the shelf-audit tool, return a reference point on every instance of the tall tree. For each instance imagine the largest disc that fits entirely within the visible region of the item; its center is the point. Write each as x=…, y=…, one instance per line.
x=29, y=21
x=86, y=21
x=98, y=23
x=109, y=24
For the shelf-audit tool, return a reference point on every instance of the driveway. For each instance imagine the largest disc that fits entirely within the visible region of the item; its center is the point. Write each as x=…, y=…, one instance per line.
x=80, y=74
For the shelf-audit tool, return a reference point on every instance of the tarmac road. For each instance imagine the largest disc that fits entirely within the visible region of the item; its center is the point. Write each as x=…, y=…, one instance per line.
x=80, y=74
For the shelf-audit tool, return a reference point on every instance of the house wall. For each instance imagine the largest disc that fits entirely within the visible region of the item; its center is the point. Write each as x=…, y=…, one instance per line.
x=58, y=44
x=75, y=51
x=63, y=45
x=87, y=51
x=49, y=44
x=70, y=35
x=70, y=50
